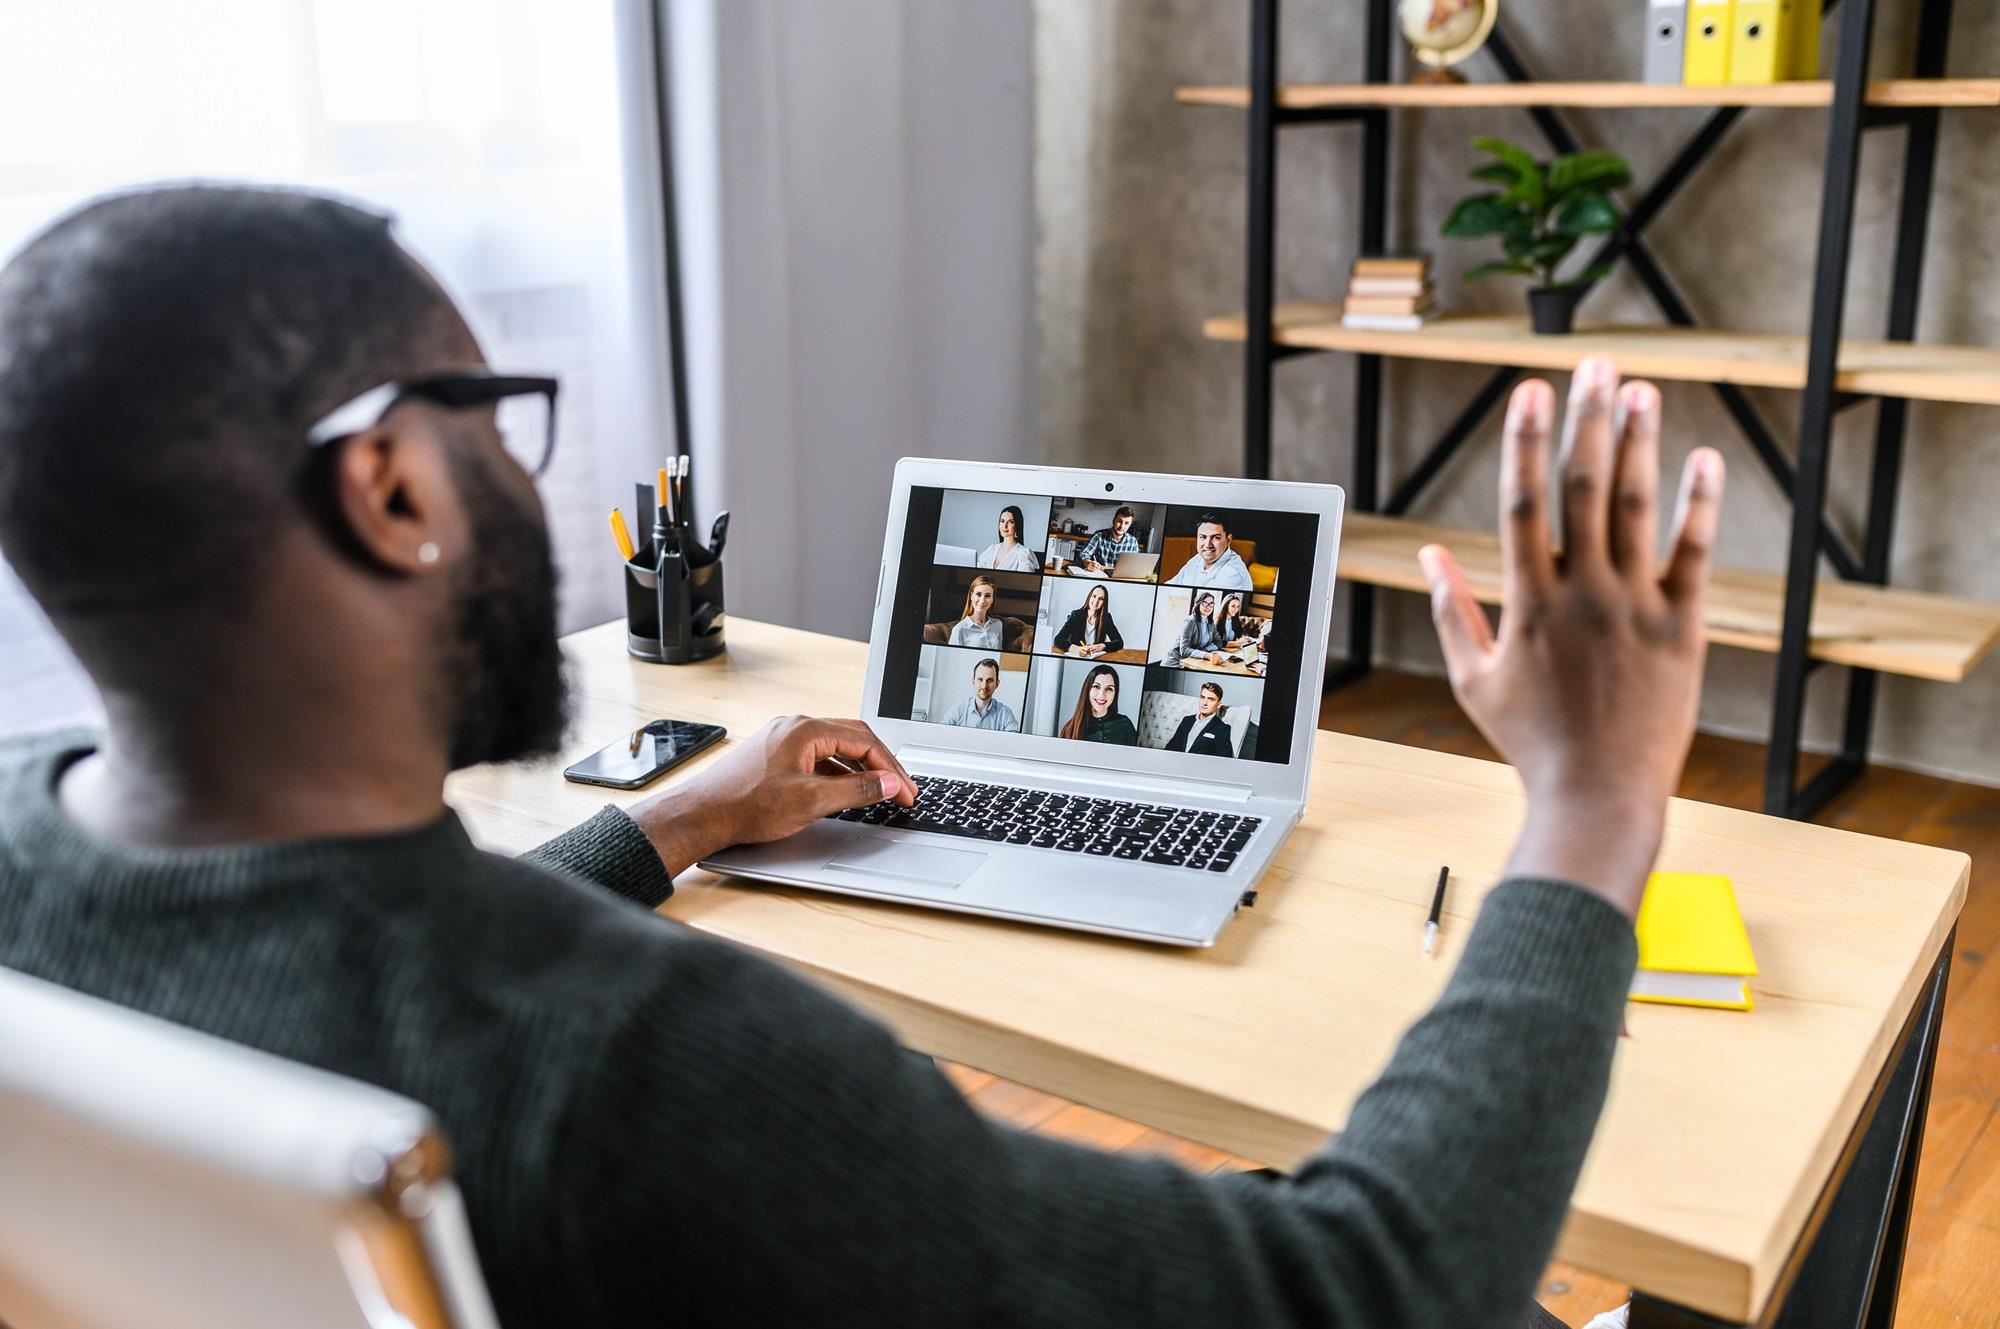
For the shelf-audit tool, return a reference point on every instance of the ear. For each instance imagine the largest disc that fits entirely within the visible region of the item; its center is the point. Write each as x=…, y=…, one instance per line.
x=394, y=495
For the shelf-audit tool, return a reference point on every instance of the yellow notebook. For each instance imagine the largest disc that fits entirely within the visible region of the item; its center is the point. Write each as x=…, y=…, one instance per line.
x=1693, y=950
x=1706, y=58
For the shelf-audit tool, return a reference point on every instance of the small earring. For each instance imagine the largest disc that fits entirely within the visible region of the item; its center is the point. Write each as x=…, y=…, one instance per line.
x=427, y=552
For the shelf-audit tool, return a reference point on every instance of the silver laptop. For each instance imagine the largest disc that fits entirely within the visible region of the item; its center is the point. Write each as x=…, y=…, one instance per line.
x=1139, y=792
x=1129, y=567
x=1134, y=567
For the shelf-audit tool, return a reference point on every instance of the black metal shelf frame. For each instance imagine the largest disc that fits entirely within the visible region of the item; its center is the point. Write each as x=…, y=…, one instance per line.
x=1801, y=476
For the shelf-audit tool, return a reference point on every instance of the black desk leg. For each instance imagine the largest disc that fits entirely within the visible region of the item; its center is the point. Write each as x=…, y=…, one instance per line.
x=1848, y=1265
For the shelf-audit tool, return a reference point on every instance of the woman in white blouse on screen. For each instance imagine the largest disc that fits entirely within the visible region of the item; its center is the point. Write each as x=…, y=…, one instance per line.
x=979, y=627
x=1009, y=554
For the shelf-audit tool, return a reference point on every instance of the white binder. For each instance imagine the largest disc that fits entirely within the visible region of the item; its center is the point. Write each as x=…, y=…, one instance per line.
x=1666, y=36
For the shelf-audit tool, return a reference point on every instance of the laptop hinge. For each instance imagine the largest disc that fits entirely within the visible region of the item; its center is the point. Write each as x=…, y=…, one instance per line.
x=1117, y=783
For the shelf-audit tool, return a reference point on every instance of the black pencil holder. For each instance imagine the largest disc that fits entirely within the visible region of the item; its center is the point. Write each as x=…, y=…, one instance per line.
x=674, y=615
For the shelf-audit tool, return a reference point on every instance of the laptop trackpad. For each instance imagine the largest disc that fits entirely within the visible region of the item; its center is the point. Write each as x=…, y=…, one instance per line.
x=906, y=861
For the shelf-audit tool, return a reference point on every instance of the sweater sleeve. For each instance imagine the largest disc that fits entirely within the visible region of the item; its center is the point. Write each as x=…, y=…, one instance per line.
x=609, y=851
x=753, y=1151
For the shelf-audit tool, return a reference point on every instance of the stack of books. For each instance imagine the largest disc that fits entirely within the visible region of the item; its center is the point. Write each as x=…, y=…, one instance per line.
x=1387, y=293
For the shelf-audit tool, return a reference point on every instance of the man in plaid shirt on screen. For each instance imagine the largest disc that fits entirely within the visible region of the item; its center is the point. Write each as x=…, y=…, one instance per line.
x=1105, y=546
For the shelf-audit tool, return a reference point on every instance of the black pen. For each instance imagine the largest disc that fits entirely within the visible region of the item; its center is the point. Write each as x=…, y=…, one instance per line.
x=1437, y=908
x=664, y=525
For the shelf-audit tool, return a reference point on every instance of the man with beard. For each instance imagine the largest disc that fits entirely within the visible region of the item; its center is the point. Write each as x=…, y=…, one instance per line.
x=324, y=582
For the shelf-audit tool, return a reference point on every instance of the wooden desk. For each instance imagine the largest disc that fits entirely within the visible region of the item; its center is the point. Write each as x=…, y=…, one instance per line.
x=1063, y=567
x=1722, y=1129
x=1200, y=664
x=1131, y=655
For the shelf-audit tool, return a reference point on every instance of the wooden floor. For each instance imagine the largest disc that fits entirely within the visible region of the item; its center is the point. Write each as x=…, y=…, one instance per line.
x=1952, y=1275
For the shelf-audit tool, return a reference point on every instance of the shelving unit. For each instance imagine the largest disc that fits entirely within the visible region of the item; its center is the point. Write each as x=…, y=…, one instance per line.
x=1881, y=92
x=1696, y=355
x=1895, y=631
x=1853, y=618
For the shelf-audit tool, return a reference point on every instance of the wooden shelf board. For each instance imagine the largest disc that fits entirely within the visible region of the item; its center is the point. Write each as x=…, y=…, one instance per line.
x=1701, y=355
x=1881, y=92
x=1913, y=633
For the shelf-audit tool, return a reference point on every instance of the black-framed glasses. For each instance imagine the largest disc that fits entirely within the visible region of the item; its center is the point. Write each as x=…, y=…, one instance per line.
x=524, y=409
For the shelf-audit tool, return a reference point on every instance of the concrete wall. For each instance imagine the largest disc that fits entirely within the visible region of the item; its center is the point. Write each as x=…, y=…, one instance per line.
x=1141, y=210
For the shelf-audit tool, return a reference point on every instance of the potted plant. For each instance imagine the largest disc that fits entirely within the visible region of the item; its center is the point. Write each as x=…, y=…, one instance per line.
x=1539, y=212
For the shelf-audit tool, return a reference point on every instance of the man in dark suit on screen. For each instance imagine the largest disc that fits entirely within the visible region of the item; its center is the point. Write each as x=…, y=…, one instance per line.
x=1204, y=731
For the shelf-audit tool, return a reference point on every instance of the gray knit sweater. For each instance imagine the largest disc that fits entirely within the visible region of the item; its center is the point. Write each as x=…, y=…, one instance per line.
x=652, y=1126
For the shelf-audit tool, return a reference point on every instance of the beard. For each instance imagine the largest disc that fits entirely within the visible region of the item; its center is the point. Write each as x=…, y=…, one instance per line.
x=503, y=678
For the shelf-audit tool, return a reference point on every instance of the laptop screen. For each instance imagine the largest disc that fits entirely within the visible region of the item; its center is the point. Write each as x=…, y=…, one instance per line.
x=1066, y=616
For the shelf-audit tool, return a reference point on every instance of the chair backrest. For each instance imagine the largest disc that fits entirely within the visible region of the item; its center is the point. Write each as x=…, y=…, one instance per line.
x=151, y=1175
x=1160, y=714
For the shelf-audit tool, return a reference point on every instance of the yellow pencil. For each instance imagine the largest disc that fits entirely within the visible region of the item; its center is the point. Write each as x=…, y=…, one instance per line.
x=621, y=535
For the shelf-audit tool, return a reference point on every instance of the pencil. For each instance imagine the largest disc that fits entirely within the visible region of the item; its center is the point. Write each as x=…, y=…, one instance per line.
x=621, y=535
x=1437, y=908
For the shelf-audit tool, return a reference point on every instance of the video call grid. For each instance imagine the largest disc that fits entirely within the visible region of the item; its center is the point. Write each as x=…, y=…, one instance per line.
x=1046, y=663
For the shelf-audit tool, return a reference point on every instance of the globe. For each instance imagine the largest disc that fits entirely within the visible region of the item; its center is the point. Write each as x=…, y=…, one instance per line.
x=1443, y=32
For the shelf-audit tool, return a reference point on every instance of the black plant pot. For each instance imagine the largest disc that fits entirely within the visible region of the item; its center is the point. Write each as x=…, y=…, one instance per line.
x=1552, y=311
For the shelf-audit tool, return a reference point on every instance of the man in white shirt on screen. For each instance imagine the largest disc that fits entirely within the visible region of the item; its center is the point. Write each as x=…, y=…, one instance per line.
x=1214, y=562
x=983, y=709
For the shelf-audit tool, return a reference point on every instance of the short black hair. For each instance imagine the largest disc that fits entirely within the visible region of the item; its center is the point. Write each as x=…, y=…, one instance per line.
x=1123, y=512
x=989, y=660
x=162, y=355
x=1212, y=519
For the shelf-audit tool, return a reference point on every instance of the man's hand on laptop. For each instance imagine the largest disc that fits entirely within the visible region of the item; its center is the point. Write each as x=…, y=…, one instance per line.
x=780, y=780
x=1591, y=687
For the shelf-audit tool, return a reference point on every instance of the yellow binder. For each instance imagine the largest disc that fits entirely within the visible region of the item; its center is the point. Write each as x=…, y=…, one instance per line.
x=1693, y=949
x=1707, y=59
x=1760, y=40
x=1802, y=54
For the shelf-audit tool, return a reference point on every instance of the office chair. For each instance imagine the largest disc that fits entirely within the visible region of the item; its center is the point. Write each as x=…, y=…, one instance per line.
x=154, y=1176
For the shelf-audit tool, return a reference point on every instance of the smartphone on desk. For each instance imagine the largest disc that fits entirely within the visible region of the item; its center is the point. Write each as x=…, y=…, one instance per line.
x=644, y=755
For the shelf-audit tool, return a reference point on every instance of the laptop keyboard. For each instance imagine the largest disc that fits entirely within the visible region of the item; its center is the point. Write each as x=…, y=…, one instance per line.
x=1074, y=823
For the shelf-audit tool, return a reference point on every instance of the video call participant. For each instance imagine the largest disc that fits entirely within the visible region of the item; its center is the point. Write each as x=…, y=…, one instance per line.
x=1200, y=633
x=1090, y=630
x=1214, y=562
x=1103, y=549
x=1008, y=554
x=979, y=628
x=983, y=709
x=1234, y=630
x=1204, y=731
x=167, y=865
x=1097, y=718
